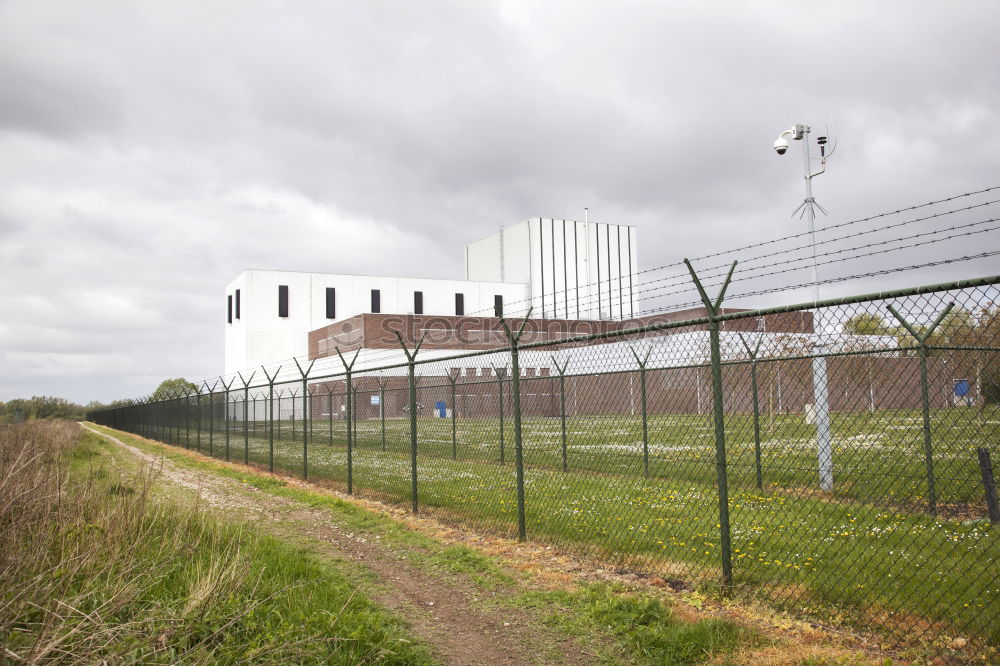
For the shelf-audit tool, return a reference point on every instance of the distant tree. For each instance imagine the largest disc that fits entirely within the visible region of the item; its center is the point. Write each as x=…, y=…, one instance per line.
x=867, y=323
x=39, y=407
x=170, y=387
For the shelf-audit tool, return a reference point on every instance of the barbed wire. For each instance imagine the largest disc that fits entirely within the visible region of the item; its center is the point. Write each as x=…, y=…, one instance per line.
x=683, y=274
x=758, y=274
x=683, y=280
x=810, y=283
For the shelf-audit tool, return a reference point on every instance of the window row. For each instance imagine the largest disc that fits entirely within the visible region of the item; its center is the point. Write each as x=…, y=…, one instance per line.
x=376, y=303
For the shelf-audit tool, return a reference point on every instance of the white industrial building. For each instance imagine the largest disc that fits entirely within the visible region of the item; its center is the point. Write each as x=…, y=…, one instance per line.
x=557, y=268
x=572, y=270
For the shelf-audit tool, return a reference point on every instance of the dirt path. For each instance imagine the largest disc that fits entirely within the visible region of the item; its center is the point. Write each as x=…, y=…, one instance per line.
x=442, y=608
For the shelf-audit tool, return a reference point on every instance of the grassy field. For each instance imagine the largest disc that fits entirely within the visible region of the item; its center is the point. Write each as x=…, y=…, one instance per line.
x=105, y=573
x=868, y=549
x=878, y=457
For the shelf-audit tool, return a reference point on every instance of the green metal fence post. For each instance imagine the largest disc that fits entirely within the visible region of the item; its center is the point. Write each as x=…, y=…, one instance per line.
x=411, y=374
x=720, y=423
x=562, y=406
x=187, y=419
x=515, y=372
x=921, y=338
x=211, y=415
x=645, y=423
x=329, y=402
x=381, y=407
x=354, y=412
x=246, y=416
x=752, y=353
x=348, y=371
x=197, y=417
x=501, y=373
x=226, y=411
x=305, y=416
x=454, y=430
x=270, y=416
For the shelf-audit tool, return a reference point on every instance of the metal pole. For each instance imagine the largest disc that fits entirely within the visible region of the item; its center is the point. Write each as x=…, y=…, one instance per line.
x=305, y=428
x=305, y=416
x=211, y=418
x=411, y=374
x=225, y=414
x=821, y=404
x=515, y=370
x=756, y=423
x=756, y=407
x=500, y=372
x=720, y=422
x=329, y=399
x=562, y=406
x=381, y=409
x=350, y=436
x=989, y=486
x=922, y=337
x=197, y=416
x=562, y=416
x=270, y=416
x=645, y=426
x=354, y=411
x=348, y=367
x=454, y=429
x=246, y=425
x=270, y=424
x=246, y=415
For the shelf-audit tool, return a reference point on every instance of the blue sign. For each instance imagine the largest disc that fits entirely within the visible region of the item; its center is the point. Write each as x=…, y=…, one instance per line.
x=441, y=408
x=961, y=388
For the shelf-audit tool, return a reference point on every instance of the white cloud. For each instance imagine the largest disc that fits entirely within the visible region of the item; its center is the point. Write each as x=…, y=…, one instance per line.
x=149, y=152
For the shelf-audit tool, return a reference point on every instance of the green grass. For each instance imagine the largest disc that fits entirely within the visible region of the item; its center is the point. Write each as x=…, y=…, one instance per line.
x=869, y=551
x=647, y=630
x=621, y=627
x=109, y=573
x=878, y=456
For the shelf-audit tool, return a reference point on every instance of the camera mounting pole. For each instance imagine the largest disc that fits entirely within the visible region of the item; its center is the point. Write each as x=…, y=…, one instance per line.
x=808, y=208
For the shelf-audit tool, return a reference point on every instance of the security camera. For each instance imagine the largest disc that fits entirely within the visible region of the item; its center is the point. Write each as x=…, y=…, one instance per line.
x=781, y=145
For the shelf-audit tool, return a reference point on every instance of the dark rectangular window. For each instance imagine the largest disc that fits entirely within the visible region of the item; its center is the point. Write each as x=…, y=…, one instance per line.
x=498, y=305
x=331, y=303
x=282, y=300
x=229, y=309
x=418, y=302
x=459, y=304
x=237, y=303
x=376, y=300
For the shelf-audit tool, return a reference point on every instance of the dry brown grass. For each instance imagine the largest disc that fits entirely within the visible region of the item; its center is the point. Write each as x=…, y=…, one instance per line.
x=93, y=571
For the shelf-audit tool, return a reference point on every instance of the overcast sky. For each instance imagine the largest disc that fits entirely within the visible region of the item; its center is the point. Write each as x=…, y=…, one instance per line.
x=151, y=151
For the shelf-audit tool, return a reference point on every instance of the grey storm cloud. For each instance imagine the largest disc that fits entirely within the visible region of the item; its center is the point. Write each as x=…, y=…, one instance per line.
x=149, y=152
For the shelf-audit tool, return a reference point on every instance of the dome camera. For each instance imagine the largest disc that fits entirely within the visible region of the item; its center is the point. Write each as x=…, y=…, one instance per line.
x=781, y=145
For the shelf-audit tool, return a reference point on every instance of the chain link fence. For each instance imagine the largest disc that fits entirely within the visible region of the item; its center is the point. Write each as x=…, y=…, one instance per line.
x=831, y=459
